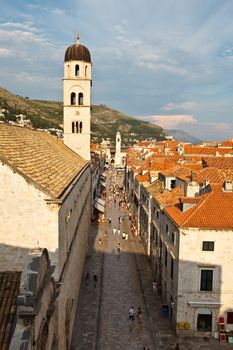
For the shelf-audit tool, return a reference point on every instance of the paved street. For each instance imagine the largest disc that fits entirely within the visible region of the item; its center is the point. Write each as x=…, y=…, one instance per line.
x=124, y=280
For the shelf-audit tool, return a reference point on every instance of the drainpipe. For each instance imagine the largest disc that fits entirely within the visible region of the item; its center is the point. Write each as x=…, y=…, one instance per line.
x=149, y=226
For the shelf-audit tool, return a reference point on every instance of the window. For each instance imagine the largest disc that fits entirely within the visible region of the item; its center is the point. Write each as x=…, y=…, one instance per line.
x=73, y=128
x=77, y=71
x=157, y=214
x=230, y=317
x=85, y=71
x=167, y=228
x=208, y=246
x=204, y=320
x=206, y=280
x=172, y=267
x=173, y=238
x=73, y=98
x=80, y=98
x=173, y=183
x=76, y=127
x=165, y=256
x=81, y=127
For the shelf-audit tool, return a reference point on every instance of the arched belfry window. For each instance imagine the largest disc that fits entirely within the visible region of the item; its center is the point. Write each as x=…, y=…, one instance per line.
x=80, y=98
x=81, y=127
x=73, y=128
x=77, y=71
x=73, y=98
x=76, y=127
x=85, y=71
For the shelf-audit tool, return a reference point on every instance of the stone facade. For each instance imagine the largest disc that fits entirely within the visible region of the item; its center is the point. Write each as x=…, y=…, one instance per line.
x=77, y=105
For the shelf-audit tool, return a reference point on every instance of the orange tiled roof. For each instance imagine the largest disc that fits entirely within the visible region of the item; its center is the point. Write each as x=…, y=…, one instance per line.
x=40, y=158
x=214, y=211
x=169, y=197
x=177, y=171
x=218, y=162
x=214, y=175
x=9, y=290
x=226, y=143
x=143, y=178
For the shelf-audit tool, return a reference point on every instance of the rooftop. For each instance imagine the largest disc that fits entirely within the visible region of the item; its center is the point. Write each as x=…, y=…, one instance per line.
x=9, y=290
x=40, y=158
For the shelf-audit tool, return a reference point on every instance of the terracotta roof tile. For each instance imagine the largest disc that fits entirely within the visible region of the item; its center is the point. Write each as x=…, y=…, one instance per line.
x=218, y=162
x=39, y=157
x=169, y=197
x=214, y=211
x=9, y=290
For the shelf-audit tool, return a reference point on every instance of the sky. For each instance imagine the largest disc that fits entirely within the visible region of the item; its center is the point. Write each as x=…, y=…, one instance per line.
x=169, y=62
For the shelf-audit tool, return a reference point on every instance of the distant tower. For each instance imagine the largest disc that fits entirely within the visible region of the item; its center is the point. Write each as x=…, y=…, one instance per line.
x=118, y=154
x=77, y=99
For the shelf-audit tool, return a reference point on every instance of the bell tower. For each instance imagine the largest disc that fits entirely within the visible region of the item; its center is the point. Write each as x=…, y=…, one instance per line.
x=118, y=154
x=77, y=99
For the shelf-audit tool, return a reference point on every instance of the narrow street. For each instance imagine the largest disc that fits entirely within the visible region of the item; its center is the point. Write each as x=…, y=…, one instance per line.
x=124, y=280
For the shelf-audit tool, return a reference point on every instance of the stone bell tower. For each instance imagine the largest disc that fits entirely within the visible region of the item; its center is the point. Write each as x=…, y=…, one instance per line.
x=77, y=99
x=118, y=154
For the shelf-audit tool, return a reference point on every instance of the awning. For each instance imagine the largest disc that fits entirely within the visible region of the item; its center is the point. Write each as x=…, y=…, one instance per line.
x=100, y=201
x=99, y=207
x=103, y=183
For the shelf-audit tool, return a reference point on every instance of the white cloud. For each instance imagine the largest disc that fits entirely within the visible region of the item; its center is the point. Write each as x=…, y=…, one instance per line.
x=5, y=52
x=17, y=25
x=171, y=121
x=186, y=106
x=58, y=12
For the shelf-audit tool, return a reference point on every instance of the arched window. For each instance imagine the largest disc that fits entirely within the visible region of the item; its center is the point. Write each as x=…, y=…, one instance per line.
x=77, y=71
x=73, y=98
x=76, y=127
x=73, y=127
x=80, y=98
x=81, y=127
x=85, y=71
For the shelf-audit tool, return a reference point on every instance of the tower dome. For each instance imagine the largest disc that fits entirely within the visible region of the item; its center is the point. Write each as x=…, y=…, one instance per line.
x=77, y=52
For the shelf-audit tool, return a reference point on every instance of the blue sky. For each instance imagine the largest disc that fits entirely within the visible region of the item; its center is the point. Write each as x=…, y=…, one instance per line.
x=169, y=62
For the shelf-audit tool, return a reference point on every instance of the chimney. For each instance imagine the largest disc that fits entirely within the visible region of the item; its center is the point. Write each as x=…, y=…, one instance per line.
x=193, y=175
x=228, y=186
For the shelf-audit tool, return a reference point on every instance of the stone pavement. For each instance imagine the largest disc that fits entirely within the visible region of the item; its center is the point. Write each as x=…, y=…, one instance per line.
x=124, y=279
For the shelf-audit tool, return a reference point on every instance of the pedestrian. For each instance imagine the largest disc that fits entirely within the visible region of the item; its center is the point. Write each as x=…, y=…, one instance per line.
x=114, y=231
x=155, y=287
x=109, y=220
x=126, y=236
x=100, y=242
x=123, y=235
x=87, y=278
x=139, y=315
x=119, y=219
x=118, y=231
x=131, y=313
x=95, y=280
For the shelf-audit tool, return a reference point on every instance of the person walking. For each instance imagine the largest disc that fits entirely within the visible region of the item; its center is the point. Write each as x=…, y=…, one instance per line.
x=123, y=235
x=114, y=231
x=87, y=278
x=131, y=314
x=119, y=232
x=155, y=287
x=139, y=315
x=126, y=236
x=95, y=280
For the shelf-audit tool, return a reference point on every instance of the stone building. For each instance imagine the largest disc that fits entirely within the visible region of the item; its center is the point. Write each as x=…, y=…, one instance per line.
x=77, y=99
x=45, y=202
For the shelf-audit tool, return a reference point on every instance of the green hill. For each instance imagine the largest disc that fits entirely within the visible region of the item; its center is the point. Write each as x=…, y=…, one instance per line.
x=105, y=121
